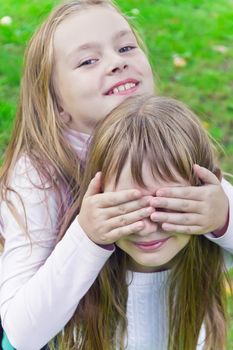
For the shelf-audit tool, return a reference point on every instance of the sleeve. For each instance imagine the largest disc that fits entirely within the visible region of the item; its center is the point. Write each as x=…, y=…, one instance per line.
x=41, y=282
x=226, y=241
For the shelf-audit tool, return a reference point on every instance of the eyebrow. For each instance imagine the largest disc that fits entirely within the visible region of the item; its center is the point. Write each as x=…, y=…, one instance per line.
x=94, y=45
x=123, y=33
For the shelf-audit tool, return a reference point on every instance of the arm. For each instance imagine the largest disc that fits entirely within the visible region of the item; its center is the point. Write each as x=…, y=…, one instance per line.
x=226, y=239
x=41, y=284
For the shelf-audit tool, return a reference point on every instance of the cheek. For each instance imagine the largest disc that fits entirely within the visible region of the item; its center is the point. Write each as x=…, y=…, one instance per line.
x=148, y=76
x=183, y=240
x=144, y=62
x=74, y=86
x=122, y=244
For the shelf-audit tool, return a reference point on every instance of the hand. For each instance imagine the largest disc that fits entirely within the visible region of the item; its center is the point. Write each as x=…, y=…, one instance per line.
x=193, y=210
x=106, y=217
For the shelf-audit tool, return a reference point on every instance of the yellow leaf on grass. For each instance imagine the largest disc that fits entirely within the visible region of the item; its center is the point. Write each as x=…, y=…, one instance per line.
x=179, y=61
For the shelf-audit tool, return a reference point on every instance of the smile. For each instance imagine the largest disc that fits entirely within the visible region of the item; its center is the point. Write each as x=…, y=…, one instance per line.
x=123, y=88
x=152, y=245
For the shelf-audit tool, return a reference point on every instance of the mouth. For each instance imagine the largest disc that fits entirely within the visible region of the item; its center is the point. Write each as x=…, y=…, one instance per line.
x=152, y=245
x=125, y=87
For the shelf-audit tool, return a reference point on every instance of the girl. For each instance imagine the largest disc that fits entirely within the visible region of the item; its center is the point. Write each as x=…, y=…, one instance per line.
x=75, y=74
x=159, y=290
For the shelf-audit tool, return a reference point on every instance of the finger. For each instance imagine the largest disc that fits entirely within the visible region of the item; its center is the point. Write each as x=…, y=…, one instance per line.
x=182, y=192
x=176, y=204
x=176, y=218
x=128, y=207
x=205, y=175
x=130, y=218
x=192, y=230
x=112, y=199
x=94, y=186
x=120, y=232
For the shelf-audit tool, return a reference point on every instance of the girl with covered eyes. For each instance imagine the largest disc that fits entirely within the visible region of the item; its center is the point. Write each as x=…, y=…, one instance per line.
x=75, y=74
x=159, y=289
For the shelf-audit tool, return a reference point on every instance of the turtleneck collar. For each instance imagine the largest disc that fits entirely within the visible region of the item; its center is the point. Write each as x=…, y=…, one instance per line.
x=79, y=141
x=152, y=278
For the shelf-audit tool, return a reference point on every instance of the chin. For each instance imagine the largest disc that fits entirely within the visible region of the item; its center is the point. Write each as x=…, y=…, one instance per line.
x=146, y=266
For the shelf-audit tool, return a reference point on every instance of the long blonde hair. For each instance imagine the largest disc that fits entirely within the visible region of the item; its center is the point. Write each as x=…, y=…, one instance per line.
x=38, y=130
x=170, y=138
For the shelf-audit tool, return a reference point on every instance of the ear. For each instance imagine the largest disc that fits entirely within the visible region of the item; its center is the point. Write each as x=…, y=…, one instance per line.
x=66, y=117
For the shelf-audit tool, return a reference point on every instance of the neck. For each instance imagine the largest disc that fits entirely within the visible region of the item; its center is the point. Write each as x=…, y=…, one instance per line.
x=79, y=141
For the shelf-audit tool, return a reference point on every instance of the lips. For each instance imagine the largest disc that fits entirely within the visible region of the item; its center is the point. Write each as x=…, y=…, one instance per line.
x=123, y=87
x=151, y=245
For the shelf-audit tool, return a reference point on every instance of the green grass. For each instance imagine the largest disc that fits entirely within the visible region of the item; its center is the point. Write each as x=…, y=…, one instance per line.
x=191, y=29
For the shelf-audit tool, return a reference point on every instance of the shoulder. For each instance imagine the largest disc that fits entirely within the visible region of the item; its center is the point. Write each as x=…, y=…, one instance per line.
x=30, y=197
x=227, y=186
x=28, y=184
x=26, y=176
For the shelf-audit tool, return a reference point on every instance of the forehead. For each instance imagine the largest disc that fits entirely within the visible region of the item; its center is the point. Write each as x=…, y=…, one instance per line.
x=151, y=182
x=94, y=24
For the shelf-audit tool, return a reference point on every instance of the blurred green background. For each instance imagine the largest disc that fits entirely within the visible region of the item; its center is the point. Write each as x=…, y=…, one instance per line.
x=190, y=46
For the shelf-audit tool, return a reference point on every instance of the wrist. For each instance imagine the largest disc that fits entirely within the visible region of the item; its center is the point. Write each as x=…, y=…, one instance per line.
x=107, y=246
x=221, y=231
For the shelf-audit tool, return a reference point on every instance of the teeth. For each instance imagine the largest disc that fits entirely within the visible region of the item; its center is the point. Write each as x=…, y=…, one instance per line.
x=121, y=88
x=132, y=85
x=128, y=86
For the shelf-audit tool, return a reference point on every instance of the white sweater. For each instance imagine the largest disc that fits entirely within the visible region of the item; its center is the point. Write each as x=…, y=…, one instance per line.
x=41, y=283
x=147, y=312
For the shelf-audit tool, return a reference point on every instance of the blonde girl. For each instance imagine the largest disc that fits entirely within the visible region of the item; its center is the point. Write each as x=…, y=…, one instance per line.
x=158, y=290
x=82, y=62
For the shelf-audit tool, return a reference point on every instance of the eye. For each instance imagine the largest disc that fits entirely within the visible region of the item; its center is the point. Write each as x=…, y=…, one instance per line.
x=88, y=62
x=127, y=48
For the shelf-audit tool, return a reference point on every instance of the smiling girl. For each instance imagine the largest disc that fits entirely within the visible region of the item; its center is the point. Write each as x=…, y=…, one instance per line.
x=80, y=64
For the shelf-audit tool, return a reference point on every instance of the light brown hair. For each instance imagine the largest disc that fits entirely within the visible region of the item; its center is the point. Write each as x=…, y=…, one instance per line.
x=167, y=135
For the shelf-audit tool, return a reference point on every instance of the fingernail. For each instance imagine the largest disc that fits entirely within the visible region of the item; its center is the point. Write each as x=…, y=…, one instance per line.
x=165, y=227
x=154, y=218
x=160, y=193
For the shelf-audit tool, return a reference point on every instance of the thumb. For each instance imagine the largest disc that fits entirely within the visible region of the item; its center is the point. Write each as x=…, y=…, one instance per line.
x=205, y=175
x=94, y=186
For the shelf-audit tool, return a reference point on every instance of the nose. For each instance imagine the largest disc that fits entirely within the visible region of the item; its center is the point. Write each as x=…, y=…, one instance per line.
x=149, y=227
x=119, y=68
x=117, y=64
